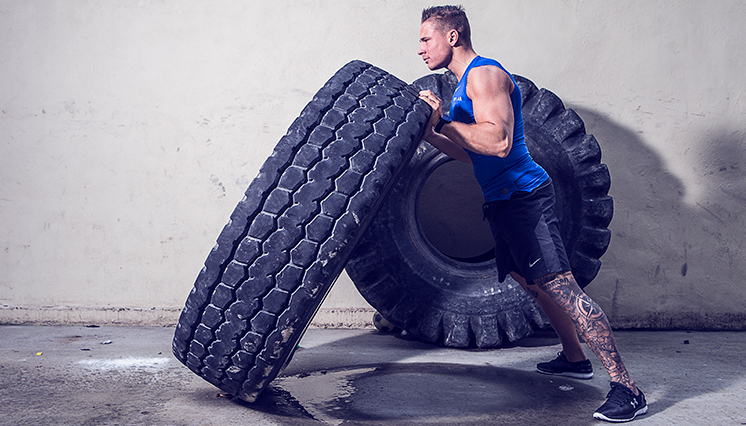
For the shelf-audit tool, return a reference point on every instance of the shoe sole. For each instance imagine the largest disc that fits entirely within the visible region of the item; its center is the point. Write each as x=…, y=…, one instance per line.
x=582, y=376
x=639, y=412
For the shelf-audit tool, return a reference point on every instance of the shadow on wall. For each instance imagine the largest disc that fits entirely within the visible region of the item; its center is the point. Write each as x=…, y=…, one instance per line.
x=672, y=264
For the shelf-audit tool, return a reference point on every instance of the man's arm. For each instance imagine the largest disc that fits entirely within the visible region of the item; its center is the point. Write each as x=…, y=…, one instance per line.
x=489, y=89
x=443, y=143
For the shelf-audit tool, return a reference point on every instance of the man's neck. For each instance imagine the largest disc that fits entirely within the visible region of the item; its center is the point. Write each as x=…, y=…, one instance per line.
x=460, y=61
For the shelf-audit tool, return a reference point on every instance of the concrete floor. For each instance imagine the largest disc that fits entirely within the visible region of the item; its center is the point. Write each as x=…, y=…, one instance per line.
x=127, y=376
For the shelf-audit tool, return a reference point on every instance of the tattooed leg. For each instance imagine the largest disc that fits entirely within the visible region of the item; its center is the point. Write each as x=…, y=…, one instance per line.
x=590, y=321
x=559, y=320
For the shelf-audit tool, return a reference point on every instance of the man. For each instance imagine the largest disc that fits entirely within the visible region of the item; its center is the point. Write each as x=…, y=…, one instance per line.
x=485, y=128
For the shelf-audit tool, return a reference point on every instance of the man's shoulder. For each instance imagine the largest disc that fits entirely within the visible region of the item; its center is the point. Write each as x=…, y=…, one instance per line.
x=482, y=61
x=489, y=75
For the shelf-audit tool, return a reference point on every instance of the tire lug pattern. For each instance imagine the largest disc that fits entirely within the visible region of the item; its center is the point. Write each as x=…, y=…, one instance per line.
x=291, y=235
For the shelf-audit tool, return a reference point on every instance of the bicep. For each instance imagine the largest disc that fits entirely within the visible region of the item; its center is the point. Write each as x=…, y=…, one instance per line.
x=489, y=89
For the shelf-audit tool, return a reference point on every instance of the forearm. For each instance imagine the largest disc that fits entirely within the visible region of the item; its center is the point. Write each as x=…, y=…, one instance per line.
x=447, y=146
x=491, y=135
x=482, y=138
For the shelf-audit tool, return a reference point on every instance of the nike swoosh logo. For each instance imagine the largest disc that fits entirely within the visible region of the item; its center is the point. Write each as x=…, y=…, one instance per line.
x=531, y=265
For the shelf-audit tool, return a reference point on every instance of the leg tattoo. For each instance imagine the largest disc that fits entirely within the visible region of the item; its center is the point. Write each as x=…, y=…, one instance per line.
x=532, y=291
x=589, y=320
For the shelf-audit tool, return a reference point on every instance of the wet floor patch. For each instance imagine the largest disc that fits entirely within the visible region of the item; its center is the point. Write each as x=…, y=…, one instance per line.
x=428, y=393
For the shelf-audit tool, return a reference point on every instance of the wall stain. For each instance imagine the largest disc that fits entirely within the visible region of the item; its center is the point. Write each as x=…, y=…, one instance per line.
x=710, y=212
x=214, y=179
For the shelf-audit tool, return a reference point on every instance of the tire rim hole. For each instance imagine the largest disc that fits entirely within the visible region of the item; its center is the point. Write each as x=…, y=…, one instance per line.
x=449, y=211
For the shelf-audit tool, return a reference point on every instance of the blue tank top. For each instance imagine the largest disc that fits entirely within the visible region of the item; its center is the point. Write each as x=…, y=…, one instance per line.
x=499, y=177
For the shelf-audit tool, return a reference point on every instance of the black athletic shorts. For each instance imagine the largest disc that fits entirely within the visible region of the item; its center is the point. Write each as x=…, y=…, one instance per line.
x=526, y=232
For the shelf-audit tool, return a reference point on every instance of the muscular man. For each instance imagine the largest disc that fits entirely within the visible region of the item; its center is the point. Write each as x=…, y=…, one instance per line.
x=485, y=127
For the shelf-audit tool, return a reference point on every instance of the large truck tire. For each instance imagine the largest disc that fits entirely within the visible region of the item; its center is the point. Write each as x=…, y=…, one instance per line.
x=290, y=236
x=419, y=285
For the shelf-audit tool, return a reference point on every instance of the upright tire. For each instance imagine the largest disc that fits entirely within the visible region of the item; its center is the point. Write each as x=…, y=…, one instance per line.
x=290, y=236
x=456, y=300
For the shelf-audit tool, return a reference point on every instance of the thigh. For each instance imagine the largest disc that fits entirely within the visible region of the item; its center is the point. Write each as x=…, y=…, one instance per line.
x=503, y=257
x=529, y=227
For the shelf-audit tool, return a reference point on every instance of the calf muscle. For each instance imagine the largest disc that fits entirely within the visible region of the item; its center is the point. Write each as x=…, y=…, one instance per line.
x=590, y=322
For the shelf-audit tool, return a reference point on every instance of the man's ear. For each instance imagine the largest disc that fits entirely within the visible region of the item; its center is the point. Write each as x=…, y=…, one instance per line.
x=452, y=37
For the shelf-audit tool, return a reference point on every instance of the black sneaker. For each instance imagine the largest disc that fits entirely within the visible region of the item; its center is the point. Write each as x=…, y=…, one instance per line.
x=560, y=366
x=621, y=405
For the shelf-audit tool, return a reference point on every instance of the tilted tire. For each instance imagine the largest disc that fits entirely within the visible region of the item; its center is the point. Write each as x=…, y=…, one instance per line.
x=290, y=236
x=421, y=285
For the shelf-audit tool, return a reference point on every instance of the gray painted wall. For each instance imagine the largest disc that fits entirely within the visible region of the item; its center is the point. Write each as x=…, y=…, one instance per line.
x=129, y=131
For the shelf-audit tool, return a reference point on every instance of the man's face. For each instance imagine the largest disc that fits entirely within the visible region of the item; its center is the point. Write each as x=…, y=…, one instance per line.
x=434, y=47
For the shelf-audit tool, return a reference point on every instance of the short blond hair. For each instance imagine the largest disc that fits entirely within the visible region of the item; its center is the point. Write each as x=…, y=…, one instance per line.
x=450, y=18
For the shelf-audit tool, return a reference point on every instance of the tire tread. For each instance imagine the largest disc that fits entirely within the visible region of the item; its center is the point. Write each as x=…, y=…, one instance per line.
x=289, y=237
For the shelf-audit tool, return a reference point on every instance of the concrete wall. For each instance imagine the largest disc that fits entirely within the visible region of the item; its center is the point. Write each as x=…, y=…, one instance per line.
x=129, y=131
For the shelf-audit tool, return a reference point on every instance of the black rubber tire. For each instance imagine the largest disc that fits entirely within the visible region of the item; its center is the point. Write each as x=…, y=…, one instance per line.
x=458, y=302
x=290, y=236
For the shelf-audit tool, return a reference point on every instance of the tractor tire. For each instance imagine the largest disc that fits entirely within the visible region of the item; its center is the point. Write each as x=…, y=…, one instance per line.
x=290, y=236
